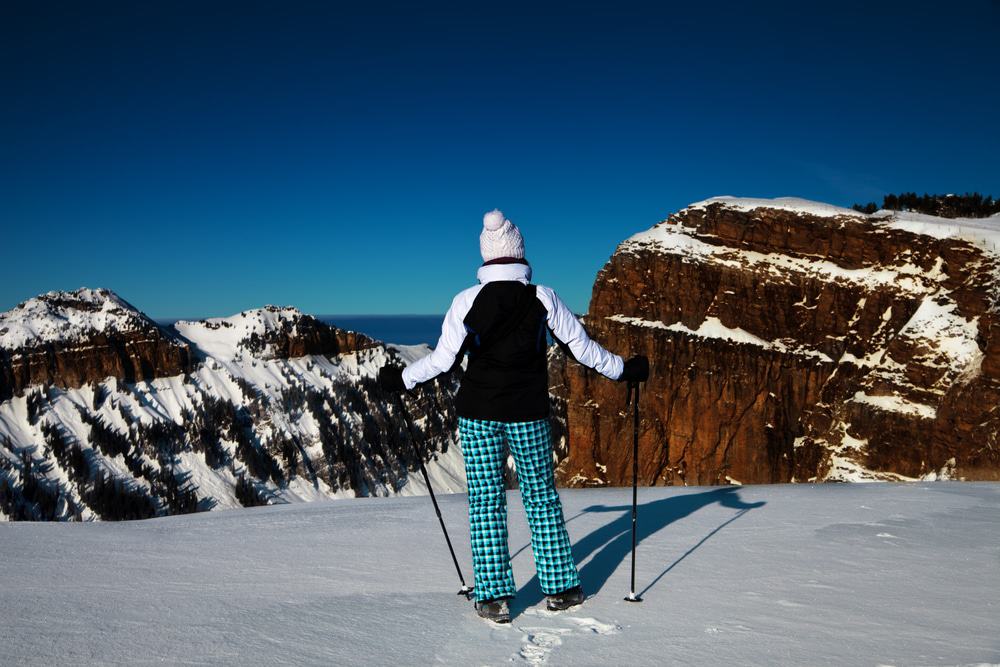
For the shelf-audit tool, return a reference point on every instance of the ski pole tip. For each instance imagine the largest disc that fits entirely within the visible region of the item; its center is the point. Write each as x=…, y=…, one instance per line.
x=632, y=597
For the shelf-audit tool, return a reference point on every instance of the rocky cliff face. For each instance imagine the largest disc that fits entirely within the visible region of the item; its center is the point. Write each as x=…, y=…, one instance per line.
x=71, y=338
x=794, y=341
x=266, y=406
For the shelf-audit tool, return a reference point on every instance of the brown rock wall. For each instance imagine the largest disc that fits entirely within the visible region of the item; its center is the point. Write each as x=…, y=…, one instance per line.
x=129, y=357
x=844, y=379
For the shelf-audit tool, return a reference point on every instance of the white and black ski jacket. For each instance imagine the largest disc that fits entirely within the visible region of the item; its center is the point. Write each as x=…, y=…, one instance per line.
x=501, y=323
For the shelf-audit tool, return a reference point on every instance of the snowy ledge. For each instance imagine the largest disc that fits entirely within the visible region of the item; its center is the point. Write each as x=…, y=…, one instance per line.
x=713, y=328
x=896, y=404
x=675, y=239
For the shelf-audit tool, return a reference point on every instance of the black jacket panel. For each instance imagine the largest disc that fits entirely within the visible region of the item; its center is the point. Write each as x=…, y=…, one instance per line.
x=507, y=375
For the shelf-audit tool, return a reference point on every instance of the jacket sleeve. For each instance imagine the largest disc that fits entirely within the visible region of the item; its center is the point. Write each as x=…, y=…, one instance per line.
x=567, y=328
x=445, y=353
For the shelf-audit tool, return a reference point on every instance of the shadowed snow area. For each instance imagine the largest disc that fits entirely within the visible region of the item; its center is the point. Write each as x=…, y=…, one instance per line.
x=823, y=575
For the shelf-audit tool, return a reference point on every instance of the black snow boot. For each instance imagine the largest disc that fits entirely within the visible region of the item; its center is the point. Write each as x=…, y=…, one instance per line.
x=494, y=610
x=566, y=599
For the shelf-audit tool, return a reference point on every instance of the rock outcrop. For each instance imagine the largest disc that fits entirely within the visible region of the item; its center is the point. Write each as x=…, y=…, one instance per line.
x=71, y=338
x=794, y=341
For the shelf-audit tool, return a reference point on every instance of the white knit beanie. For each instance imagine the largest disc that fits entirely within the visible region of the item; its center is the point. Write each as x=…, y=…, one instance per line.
x=500, y=237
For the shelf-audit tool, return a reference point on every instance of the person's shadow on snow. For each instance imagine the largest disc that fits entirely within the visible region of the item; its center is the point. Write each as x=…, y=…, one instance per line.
x=612, y=542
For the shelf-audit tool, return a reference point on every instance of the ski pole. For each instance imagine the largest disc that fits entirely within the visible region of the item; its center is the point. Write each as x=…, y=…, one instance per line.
x=633, y=393
x=465, y=590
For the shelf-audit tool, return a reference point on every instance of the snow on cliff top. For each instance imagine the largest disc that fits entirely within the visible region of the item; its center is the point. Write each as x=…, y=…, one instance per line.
x=68, y=316
x=782, y=203
x=984, y=232
x=223, y=337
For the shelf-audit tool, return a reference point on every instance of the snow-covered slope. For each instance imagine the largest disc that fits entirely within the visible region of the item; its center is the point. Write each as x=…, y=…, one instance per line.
x=270, y=332
x=758, y=575
x=275, y=406
x=225, y=338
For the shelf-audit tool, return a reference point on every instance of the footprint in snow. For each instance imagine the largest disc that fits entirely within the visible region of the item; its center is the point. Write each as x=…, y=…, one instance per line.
x=538, y=642
x=594, y=626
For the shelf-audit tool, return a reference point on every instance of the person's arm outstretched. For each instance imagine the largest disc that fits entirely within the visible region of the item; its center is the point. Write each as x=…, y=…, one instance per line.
x=568, y=330
x=445, y=353
x=561, y=321
x=570, y=333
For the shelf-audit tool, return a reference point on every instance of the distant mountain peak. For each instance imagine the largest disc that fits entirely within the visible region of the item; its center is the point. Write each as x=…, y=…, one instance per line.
x=268, y=332
x=68, y=317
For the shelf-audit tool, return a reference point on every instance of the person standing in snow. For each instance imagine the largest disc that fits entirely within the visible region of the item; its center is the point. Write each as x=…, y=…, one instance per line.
x=504, y=398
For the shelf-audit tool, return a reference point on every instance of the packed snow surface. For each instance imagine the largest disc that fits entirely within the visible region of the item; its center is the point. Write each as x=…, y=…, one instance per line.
x=886, y=574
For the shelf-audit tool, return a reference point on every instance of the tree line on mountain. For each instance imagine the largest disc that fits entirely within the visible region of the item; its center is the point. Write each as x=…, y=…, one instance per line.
x=969, y=205
x=26, y=495
x=367, y=445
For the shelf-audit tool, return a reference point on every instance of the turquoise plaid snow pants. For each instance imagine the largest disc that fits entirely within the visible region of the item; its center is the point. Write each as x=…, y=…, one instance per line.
x=531, y=445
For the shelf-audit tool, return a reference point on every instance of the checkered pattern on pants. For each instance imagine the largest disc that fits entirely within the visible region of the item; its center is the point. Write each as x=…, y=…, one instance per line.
x=531, y=445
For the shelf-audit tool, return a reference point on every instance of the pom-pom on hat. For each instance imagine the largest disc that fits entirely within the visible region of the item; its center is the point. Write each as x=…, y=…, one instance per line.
x=500, y=238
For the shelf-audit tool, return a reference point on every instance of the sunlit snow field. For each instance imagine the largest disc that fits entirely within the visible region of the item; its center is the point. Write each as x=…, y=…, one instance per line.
x=874, y=574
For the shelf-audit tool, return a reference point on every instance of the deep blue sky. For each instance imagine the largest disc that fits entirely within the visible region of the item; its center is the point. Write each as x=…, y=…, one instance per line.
x=202, y=158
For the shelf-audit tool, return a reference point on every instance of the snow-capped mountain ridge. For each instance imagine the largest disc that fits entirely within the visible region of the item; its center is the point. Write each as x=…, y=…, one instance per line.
x=68, y=339
x=236, y=330
x=269, y=405
x=68, y=317
x=793, y=341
